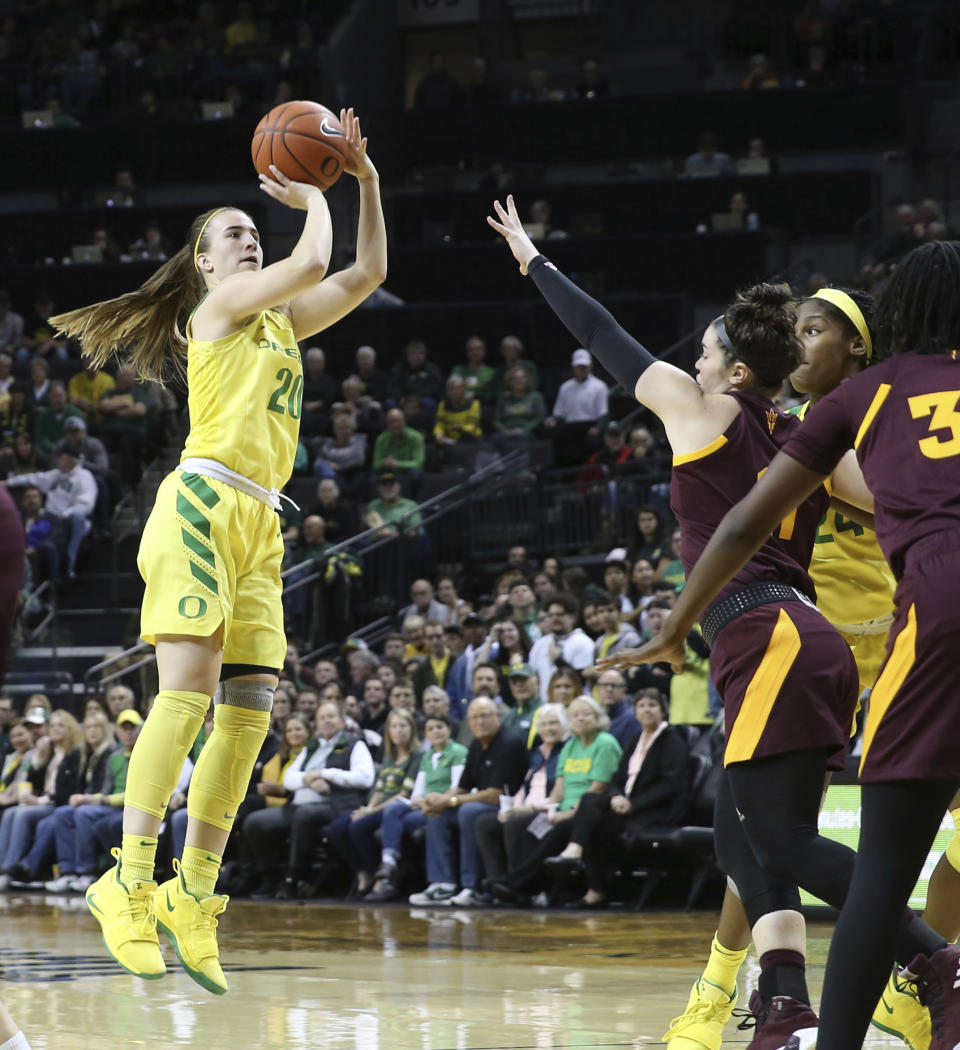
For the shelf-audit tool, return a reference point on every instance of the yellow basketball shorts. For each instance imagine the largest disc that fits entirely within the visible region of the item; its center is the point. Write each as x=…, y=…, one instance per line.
x=869, y=651
x=211, y=555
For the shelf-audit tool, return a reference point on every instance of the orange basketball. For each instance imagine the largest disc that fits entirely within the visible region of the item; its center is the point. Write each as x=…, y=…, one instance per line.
x=304, y=140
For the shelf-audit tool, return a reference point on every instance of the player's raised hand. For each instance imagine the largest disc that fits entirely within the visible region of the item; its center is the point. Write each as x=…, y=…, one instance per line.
x=357, y=163
x=293, y=194
x=511, y=229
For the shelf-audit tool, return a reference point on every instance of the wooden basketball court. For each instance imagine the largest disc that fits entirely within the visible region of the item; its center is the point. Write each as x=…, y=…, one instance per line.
x=372, y=978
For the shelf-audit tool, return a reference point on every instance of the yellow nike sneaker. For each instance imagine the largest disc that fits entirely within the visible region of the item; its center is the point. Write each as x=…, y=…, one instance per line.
x=191, y=924
x=901, y=1013
x=701, y=1024
x=127, y=922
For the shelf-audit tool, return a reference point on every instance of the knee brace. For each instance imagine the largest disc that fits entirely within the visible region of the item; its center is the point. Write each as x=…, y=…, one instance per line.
x=222, y=776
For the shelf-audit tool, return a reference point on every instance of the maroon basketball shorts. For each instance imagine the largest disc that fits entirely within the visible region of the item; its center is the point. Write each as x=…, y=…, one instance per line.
x=913, y=722
x=788, y=681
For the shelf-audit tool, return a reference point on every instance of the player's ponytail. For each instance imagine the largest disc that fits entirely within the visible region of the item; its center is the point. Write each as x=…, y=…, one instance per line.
x=144, y=326
x=759, y=330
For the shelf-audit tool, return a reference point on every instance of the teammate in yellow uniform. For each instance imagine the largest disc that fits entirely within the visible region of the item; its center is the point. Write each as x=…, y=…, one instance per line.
x=854, y=583
x=211, y=550
x=854, y=592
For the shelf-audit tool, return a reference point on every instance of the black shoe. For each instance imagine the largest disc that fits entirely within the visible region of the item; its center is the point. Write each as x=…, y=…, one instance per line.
x=265, y=890
x=506, y=894
x=584, y=905
x=387, y=892
x=385, y=871
x=287, y=891
x=21, y=873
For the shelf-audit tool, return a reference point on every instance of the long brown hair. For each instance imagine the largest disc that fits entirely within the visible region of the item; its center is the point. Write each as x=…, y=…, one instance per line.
x=143, y=326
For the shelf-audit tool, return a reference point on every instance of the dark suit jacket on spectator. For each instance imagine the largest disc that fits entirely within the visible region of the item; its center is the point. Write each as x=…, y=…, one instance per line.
x=660, y=792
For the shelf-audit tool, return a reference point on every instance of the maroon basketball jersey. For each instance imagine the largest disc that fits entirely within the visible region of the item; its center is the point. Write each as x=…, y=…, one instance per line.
x=706, y=484
x=903, y=418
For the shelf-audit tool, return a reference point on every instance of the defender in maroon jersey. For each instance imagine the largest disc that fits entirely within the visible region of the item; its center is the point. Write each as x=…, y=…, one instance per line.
x=902, y=417
x=766, y=829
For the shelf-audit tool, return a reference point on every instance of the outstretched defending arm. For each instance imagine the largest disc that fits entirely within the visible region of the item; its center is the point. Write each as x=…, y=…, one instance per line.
x=672, y=394
x=592, y=324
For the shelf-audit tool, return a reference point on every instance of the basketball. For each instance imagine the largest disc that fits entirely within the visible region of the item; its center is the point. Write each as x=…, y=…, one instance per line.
x=304, y=140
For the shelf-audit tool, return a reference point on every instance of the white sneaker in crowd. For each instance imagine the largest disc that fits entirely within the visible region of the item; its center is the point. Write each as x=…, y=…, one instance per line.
x=435, y=893
x=60, y=885
x=81, y=883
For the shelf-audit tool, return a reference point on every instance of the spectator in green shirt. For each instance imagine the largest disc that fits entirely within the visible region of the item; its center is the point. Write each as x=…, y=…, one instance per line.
x=587, y=763
x=48, y=430
x=392, y=510
x=523, y=717
x=511, y=350
x=520, y=409
x=479, y=377
x=399, y=449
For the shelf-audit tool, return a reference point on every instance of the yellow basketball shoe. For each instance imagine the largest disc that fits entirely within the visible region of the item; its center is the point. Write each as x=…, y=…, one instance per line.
x=127, y=922
x=901, y=1013
x=701, y=1024
x=191, y=924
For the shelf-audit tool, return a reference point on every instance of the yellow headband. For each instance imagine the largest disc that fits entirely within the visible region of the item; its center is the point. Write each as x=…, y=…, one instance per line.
x=196, y=247
x=848, y=307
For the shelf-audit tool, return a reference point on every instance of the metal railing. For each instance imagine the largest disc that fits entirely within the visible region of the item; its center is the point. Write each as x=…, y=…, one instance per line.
x=365, y=577
x=117, y=668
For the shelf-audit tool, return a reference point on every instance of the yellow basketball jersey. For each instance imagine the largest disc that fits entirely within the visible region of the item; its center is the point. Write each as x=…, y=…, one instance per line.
x=245, y=396
x=854, y=583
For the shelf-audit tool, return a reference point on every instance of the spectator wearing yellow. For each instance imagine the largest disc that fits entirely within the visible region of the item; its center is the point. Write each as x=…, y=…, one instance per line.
x=458, y=415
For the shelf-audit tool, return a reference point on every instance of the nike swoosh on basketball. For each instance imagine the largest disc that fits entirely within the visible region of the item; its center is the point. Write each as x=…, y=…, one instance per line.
x=889, y=1009
x=328, y=129
x=170, y=907
x=92, y=902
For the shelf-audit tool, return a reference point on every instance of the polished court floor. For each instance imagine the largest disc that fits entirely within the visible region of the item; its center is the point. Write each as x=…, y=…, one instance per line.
x=388, y=978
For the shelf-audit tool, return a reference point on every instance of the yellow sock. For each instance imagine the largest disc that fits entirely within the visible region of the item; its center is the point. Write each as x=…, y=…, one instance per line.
x=160, y=750
x=222, y=775
x=137, y=856
x=723, y=966
x=200, y=871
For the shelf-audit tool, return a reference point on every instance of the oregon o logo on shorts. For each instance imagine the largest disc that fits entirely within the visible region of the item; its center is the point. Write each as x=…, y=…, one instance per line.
x=192, y=607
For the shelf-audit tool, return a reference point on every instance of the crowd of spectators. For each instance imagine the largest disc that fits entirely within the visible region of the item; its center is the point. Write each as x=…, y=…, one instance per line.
x=370, y=438
x=76, y=61
x=453, y=764
x=72, y=441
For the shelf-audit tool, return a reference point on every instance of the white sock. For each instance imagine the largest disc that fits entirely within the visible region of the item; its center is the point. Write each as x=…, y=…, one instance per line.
x=17, y=1042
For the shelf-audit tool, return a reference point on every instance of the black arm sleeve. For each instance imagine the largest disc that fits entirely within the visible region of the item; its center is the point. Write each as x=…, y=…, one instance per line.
x=593, y=326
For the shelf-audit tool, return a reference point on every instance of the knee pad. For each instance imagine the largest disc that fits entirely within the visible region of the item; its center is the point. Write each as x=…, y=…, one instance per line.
x=163, y=745
x=223, y=771
x=952, y=851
